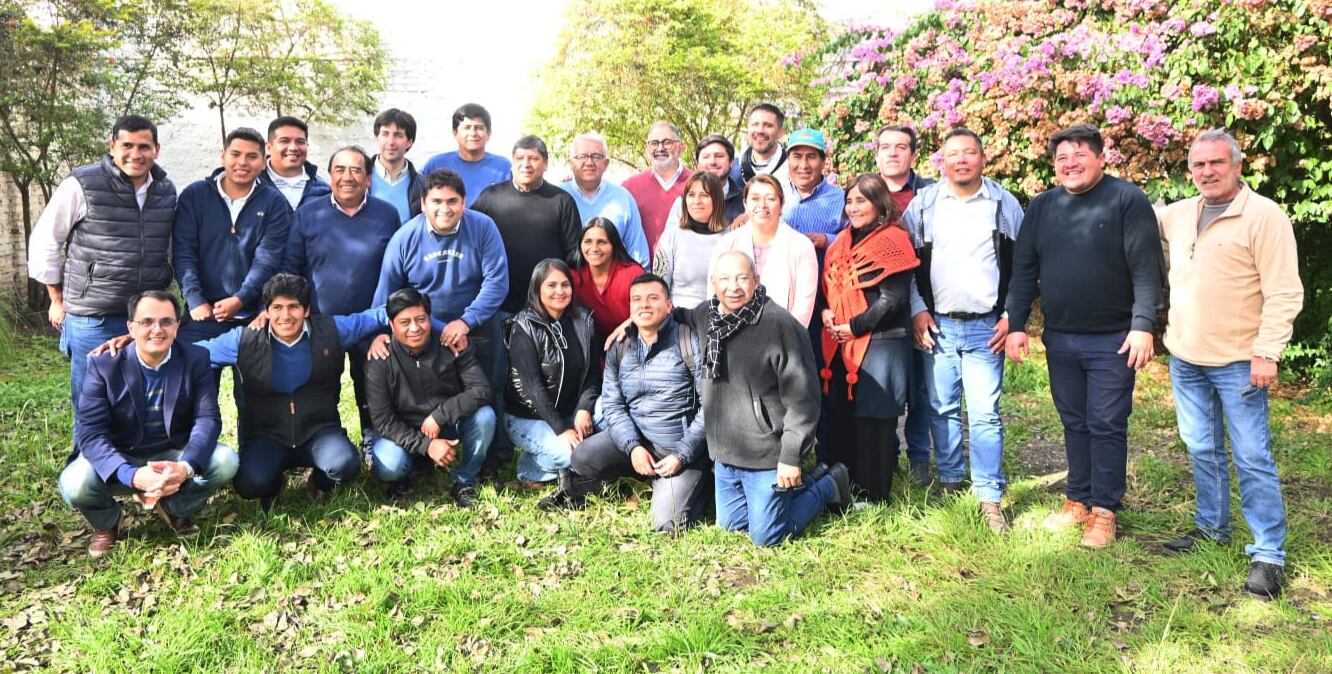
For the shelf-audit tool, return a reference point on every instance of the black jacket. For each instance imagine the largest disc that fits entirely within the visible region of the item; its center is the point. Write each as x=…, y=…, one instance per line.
x=291, y=419
x=404, y=389
x=535, y=388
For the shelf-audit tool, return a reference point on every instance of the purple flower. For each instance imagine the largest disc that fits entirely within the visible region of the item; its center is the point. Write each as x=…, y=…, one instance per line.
x=1201, y=28
x=1233, y=93
x=1204, y=97
x=1116, y=114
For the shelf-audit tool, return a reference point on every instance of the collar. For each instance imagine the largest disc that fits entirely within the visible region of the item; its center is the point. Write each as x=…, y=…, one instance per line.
x=356, y=210
x=601, y=187
x=305, y=332
x=823, y=186
x=280, y=180
x=146, y=366
x=383, y=172
x=946, y=192
x=228, y=199
x=539, y=185
x=668, y=184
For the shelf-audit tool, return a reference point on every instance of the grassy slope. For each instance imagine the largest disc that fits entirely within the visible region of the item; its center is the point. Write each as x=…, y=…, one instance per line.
x=371, y=585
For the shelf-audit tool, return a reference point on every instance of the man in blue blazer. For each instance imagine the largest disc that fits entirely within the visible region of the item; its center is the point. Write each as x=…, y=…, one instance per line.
x=147, y=424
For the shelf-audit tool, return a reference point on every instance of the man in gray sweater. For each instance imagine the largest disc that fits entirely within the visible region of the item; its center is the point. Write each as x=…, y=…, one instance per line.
x=761, y=400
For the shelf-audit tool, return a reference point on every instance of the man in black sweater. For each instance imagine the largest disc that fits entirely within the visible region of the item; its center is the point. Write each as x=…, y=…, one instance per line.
x=536, y=220
x=761, y=400
x=1091, y=250
x=427, y=402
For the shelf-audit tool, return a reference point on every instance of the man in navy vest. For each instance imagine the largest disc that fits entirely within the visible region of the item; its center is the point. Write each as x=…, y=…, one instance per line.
x=148, y=425
x=104, y=236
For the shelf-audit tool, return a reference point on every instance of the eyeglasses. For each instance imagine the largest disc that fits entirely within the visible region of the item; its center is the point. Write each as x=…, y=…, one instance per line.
x=148, y=323
x=666, y=144
x=596, y=156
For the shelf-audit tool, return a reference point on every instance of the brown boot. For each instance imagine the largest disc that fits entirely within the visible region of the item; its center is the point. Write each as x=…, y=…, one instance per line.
x=994, y=517
x=1073, y=513
x=102, y=542
x=1100, y=530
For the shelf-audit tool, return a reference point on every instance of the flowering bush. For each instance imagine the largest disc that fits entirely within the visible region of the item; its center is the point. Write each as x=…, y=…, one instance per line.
x=1149, y=73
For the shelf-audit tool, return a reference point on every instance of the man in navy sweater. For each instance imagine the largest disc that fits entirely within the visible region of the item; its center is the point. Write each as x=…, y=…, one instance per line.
x=289, y=170
x=228, y=238
x=337, y=244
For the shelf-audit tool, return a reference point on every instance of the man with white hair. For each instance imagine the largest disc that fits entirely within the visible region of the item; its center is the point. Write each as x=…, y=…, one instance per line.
x=595, y=197
x=655, y=189
x=1230, y=247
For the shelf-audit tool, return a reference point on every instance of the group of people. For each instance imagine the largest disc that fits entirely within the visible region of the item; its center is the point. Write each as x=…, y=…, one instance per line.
x=707, y=330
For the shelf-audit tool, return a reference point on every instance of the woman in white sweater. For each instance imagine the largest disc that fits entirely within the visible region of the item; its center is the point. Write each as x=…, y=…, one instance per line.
x=684, y=250
x=785, y=259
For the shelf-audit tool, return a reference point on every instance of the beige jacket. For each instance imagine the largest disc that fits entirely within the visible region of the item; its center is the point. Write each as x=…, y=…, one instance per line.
x=1235, y=290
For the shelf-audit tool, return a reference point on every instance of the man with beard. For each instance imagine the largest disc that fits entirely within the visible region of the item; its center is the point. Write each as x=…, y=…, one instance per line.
x=655, y=189
x=765, y=154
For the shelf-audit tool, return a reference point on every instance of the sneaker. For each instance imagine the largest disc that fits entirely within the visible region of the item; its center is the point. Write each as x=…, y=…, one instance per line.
x=183, y=526
x=920, y=473
x=1265, y=580
x=842, y=480
x=1188, y=542
x=102, y=542
x=464, y=495
x=994, y=517
x=1100, y=530
x=1072, y=514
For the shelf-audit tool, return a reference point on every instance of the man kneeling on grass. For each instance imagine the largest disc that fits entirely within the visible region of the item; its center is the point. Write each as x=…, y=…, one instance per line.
x=650, y=406
x=427, y=402
x=148, y=425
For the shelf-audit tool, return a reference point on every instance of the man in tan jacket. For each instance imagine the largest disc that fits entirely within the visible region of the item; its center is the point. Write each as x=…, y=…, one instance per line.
x=1234, y=293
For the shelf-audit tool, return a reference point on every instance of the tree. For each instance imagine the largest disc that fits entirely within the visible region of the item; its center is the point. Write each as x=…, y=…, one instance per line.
x=700, y=64
x=291, y=57
x=1149, y=73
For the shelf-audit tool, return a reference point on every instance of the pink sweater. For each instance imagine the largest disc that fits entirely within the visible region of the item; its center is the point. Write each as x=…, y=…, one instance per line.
x=654, y=203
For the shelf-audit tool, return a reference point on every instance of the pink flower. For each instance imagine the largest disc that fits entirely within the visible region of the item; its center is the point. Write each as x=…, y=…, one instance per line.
x=1201, y=28
x=1233, y=93
x=1204, y=97
x=1116, y=114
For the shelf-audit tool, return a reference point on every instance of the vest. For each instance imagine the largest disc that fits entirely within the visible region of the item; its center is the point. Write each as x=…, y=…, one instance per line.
x=552, y=358
x=118, y=249
x=291, y=419
x=1003, y=256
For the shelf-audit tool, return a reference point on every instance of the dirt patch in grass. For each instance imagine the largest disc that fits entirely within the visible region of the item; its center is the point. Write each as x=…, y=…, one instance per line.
x=1041, y=457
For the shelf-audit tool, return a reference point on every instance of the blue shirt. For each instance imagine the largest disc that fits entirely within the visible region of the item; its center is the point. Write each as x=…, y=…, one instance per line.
x=338, y=253
x=615, y=204
x=819, y=213
x=465, y=273
x=476, y=175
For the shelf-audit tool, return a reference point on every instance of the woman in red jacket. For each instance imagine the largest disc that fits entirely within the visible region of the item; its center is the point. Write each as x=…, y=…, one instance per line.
x=602, y=273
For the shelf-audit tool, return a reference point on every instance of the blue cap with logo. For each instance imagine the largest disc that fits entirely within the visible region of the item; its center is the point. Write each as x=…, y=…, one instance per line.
x=809, y=138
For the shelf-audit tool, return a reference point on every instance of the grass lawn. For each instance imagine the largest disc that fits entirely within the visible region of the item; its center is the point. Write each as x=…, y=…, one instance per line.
x=369, y=584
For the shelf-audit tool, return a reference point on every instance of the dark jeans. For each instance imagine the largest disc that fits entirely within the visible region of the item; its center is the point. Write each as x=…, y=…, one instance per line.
x=919, y=415
x=263, y=463
x=488, y=340
x=1092, y=387
x=677, y=502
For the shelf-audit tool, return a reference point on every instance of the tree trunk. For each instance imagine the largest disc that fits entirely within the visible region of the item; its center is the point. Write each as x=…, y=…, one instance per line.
x=222, y=120
x=37, y=298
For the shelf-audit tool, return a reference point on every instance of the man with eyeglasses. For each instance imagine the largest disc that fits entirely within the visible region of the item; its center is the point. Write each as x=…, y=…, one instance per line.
x=479, y=169
x=147, y=425
x=289, y=170
x=597, y=198
x=657, y=188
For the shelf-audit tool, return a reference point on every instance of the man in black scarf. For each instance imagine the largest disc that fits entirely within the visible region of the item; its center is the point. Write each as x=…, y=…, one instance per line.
x=760, y=383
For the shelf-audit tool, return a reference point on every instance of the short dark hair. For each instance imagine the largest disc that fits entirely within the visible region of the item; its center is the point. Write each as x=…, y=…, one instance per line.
x=406, y=298
x=244, y=133
x=443, y=178
x=365, y=156
x=160, y=295
x=134, y=124
x=470, y=111
x=912, y=136
x=399, y=118
x=718, y=139
x=963, y=131
x=649, y=277
x=532, y=143
x=539, y=274
x=618, y=252
x=287, y=285
x=287, y=120
x=1080, y=134
x=769, y=107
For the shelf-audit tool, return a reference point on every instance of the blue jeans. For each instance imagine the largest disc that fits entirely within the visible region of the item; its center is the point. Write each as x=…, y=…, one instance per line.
x=1204, y=397
x=264, y=462
x=962, y=365
x=544, y=455
x=84, y=490
x=81, y=334
x=392, y=463
x=919, y=416
x=1092, y=388
x=748, y=499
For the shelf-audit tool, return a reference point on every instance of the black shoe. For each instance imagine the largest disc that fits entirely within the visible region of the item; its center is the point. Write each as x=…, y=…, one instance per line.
x=1265, y=580
x=818, y=472
x=399, y=488
x=842, y=480
x=1189, y=542
x=571, y=492
x=267, y=503
x=464, y=495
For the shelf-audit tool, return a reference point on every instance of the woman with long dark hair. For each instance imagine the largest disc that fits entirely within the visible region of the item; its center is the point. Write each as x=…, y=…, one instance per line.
x=554, y=375
x=867, y=334
x=601, y=275
x=684, y=252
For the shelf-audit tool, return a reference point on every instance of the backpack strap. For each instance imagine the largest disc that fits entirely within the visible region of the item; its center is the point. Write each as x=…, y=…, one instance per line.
x=685, y=336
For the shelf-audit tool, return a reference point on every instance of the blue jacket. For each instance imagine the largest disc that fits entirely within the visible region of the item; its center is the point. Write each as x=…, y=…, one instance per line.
x=215, y=260
x=113, y=405
x=315, y=187
x=648, y=396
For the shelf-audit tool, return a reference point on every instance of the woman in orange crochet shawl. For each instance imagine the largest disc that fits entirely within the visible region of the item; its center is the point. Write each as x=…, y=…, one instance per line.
x=866, y=336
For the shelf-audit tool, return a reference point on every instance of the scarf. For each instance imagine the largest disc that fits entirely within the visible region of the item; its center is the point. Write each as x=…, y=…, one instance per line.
x=747, y=170
x=850, y=268
x=723, y=326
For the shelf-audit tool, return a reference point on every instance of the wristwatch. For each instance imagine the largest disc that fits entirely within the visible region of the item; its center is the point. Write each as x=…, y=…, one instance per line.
x=1269, y=359
x=189, y=470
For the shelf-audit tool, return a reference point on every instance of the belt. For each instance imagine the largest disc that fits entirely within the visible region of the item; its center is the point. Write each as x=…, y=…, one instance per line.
x=966, y=316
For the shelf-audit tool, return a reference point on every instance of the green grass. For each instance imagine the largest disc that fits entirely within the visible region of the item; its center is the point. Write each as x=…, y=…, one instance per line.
x=368, y=584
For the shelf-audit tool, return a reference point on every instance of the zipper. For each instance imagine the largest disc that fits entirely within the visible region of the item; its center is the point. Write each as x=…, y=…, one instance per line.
x=292, y=406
